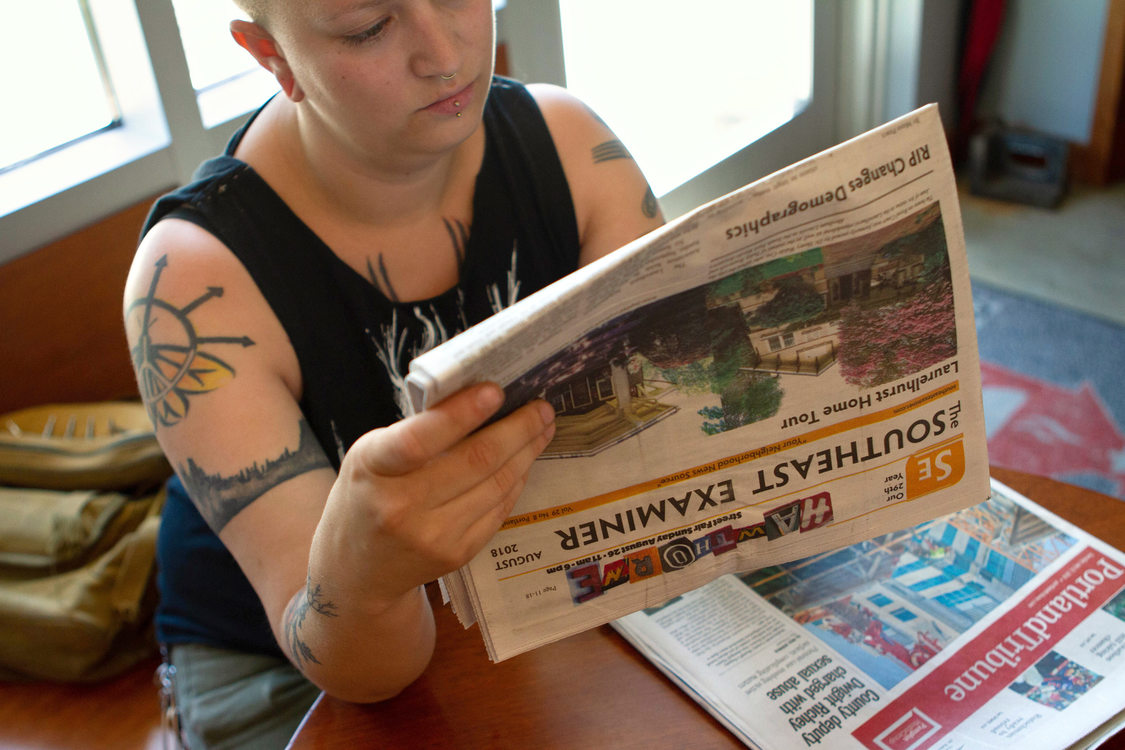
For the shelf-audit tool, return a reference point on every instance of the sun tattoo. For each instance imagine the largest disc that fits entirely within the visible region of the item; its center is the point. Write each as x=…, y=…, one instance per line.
x=172, y=366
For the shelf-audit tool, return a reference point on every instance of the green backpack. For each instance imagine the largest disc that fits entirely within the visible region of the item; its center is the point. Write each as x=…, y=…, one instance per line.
x=81, y=490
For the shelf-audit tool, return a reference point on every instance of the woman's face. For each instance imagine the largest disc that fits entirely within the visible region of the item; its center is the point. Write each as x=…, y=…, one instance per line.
x=375, y=73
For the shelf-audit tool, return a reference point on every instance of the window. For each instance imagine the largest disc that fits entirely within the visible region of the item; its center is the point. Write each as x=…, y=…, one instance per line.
x=682, y=90
x=604, y=386
x=879, y=600
x=580, y=392
x=175, y=107
x=212, y=57
x=904, y=615
x=69, y=95
x=223, y=76
x=111, y=106
x=168, y=89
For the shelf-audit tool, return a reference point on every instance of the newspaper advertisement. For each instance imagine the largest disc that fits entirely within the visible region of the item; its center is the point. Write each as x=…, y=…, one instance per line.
x=997, y=626
x=791, y=368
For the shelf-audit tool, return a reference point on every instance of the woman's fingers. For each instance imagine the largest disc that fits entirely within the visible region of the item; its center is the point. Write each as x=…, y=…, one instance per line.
x=411, y=443
x=479, y=510
x=437, y=456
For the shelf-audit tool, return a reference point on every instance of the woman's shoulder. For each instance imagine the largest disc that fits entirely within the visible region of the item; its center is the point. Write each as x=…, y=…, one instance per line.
x=560, y=107
x=557, y=105
x=612, y=200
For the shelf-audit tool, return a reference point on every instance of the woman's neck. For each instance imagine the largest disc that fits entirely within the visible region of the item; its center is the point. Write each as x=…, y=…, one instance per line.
x=318, y=174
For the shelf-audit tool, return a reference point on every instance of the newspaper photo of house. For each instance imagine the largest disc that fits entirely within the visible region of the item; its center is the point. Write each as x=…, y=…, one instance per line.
x=878, y=307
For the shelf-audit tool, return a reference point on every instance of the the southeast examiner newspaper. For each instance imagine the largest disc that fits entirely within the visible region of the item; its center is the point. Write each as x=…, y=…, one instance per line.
x=789, y=369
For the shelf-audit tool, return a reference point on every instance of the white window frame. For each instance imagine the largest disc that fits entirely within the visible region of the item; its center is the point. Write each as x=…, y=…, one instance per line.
x=886, y=66
x=162, y=138
x=534, y=26
x=872, y=62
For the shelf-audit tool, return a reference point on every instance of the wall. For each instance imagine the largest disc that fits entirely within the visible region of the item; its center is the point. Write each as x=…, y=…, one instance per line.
x=1045, y=66
x=61, y=335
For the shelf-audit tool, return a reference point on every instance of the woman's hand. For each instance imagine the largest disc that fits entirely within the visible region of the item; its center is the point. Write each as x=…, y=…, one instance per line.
x=421, y=497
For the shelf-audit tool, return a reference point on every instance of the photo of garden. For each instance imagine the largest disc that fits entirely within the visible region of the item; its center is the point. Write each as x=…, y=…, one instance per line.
x=870, y=310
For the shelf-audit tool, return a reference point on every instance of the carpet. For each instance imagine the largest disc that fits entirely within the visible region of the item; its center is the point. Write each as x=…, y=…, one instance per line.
x=1054, y=401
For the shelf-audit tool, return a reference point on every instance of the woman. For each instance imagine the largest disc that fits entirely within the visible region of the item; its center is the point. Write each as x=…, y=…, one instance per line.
x=391, y=195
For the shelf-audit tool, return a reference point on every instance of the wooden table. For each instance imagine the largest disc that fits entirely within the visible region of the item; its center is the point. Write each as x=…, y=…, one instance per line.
x=591, y=690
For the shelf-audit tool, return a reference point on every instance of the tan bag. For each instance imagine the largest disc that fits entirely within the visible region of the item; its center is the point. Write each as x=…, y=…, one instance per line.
x=107, y=445
x=77, y=586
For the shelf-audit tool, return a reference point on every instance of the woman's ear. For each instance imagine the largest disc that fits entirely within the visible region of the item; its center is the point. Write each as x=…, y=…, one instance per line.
x=262, y=47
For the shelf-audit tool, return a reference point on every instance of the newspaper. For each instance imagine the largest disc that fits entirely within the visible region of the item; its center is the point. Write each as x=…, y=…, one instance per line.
x=997, y=626
x=788, y=369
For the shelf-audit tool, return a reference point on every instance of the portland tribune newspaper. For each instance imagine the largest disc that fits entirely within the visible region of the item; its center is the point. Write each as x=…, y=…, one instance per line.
x=997, y=626
x=788, y=369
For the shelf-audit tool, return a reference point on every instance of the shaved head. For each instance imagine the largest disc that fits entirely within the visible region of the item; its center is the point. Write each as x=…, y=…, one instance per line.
x=256, y=9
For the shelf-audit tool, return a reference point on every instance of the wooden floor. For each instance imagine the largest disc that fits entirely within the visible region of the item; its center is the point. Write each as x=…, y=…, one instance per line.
x=122, y=713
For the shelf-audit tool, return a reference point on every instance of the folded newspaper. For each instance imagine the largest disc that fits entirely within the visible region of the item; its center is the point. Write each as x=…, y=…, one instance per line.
x=789, y=369
x=998, y=626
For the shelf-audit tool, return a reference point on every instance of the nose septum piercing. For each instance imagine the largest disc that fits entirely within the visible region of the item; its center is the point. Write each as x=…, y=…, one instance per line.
x=448, y=77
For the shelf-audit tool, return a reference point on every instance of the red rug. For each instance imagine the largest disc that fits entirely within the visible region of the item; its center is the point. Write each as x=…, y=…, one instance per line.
x=1053, y=398
x=1057, y=431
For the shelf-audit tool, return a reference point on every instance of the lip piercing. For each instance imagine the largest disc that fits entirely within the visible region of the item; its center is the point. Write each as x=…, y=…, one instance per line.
x=448, y=77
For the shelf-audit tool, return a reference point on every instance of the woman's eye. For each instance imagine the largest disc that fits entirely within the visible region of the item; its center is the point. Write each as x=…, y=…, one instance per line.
x=372, y=32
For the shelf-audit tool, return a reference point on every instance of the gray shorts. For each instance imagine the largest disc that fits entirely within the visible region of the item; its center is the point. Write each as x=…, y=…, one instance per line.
x=231, y=699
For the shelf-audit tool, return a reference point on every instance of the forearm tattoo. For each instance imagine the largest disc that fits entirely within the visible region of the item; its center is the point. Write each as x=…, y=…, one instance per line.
x=220, y=498
x=294, y=621
x=175, y=364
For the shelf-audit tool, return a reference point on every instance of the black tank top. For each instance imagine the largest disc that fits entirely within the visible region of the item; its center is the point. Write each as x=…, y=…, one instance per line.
x=354, y=344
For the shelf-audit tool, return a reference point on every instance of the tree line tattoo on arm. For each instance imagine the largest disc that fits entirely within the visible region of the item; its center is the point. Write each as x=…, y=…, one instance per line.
x=458, y=234
x=220, y=498
x=294, y=620
x=615, y=149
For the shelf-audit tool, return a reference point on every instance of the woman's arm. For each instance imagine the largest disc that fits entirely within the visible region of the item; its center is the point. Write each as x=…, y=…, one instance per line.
x=612, y=199
x=337, y=561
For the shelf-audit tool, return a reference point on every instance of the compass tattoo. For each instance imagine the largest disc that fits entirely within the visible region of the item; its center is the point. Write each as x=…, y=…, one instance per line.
x=174, y=363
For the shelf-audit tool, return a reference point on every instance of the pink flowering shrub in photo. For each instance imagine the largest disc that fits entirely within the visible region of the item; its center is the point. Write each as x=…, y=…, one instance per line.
x=886, y=343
